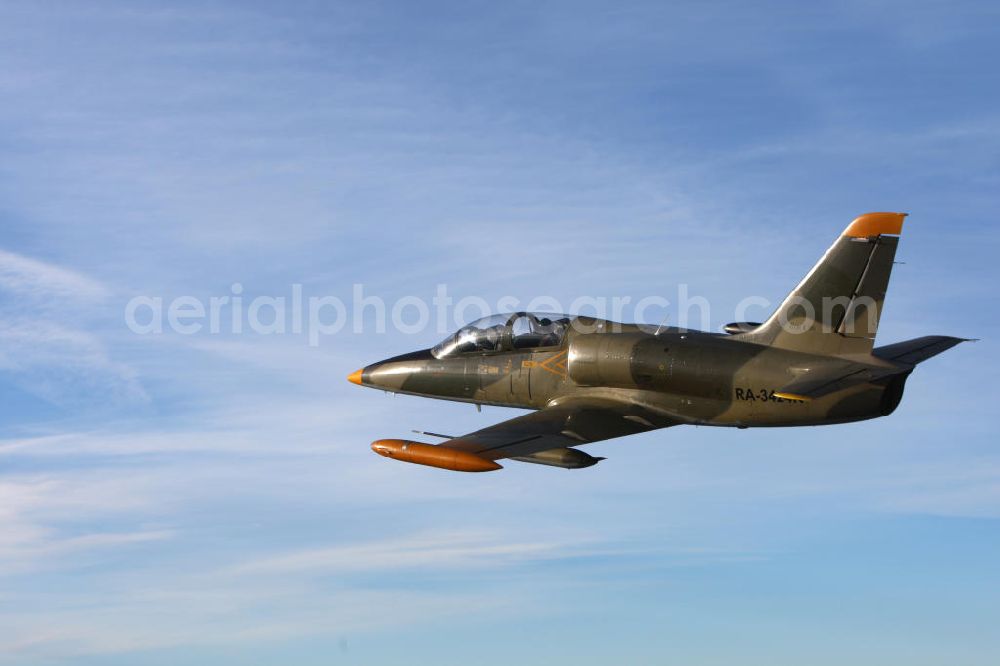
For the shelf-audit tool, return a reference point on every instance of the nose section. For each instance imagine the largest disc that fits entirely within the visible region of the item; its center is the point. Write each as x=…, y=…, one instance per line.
x=383, y=375
x=394, y=374
x=384, y=448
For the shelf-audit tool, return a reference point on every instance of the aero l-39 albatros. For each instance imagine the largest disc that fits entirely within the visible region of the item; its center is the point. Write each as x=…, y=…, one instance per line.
x=813, y=362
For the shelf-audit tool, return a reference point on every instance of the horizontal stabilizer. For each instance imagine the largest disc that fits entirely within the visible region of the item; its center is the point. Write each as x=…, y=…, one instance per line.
x=830, y=378
x=818, y=383
x=918, y=350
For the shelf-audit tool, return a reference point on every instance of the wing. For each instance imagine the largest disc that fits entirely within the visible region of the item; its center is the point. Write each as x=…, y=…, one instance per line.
x=569, y=423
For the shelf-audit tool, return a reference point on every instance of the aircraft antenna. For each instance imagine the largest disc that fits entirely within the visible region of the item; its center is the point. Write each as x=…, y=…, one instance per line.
x=663, y=323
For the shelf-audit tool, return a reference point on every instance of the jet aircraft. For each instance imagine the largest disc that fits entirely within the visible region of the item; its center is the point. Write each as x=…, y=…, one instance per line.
x=813, y=362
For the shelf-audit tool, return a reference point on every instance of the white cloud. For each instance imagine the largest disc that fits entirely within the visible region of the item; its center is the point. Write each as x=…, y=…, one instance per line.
x=64, y=364
x=179, y=612
x=38, y=279
x=34, y=533
x=48, y=344
x=432, y=550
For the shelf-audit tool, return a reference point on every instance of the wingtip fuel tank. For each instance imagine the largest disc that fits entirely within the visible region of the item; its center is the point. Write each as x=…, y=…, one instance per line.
x=433, y=456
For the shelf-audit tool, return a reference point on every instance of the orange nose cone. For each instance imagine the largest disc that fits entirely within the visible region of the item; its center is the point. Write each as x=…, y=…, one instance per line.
x=355, y=377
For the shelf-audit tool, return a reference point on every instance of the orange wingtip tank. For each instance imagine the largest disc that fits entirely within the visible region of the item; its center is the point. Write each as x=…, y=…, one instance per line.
x=433, y=456
x=875, y=224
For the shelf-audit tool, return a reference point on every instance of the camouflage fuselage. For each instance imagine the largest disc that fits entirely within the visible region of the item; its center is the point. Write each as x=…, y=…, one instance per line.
x=701, y=378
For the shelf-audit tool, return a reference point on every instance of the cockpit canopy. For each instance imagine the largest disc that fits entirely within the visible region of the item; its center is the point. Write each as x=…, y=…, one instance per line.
x=506, y=332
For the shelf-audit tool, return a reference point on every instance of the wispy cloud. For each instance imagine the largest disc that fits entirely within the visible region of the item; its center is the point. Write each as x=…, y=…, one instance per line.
x=65, y=365
x=48, y=343
x=442, y=550
x=41, y=280
x=33, y=531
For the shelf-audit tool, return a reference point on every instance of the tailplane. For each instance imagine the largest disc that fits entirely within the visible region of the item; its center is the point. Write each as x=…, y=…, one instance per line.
x=839, y=374
x=918, y=350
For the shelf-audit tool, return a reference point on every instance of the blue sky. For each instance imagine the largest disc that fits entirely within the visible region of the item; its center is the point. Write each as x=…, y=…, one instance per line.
x=212, y=498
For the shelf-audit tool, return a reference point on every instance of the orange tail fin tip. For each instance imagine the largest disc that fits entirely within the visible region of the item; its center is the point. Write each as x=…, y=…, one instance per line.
x=876, y=224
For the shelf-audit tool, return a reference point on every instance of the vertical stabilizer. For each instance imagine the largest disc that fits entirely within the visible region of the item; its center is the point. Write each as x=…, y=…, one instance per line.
x=835, y=310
